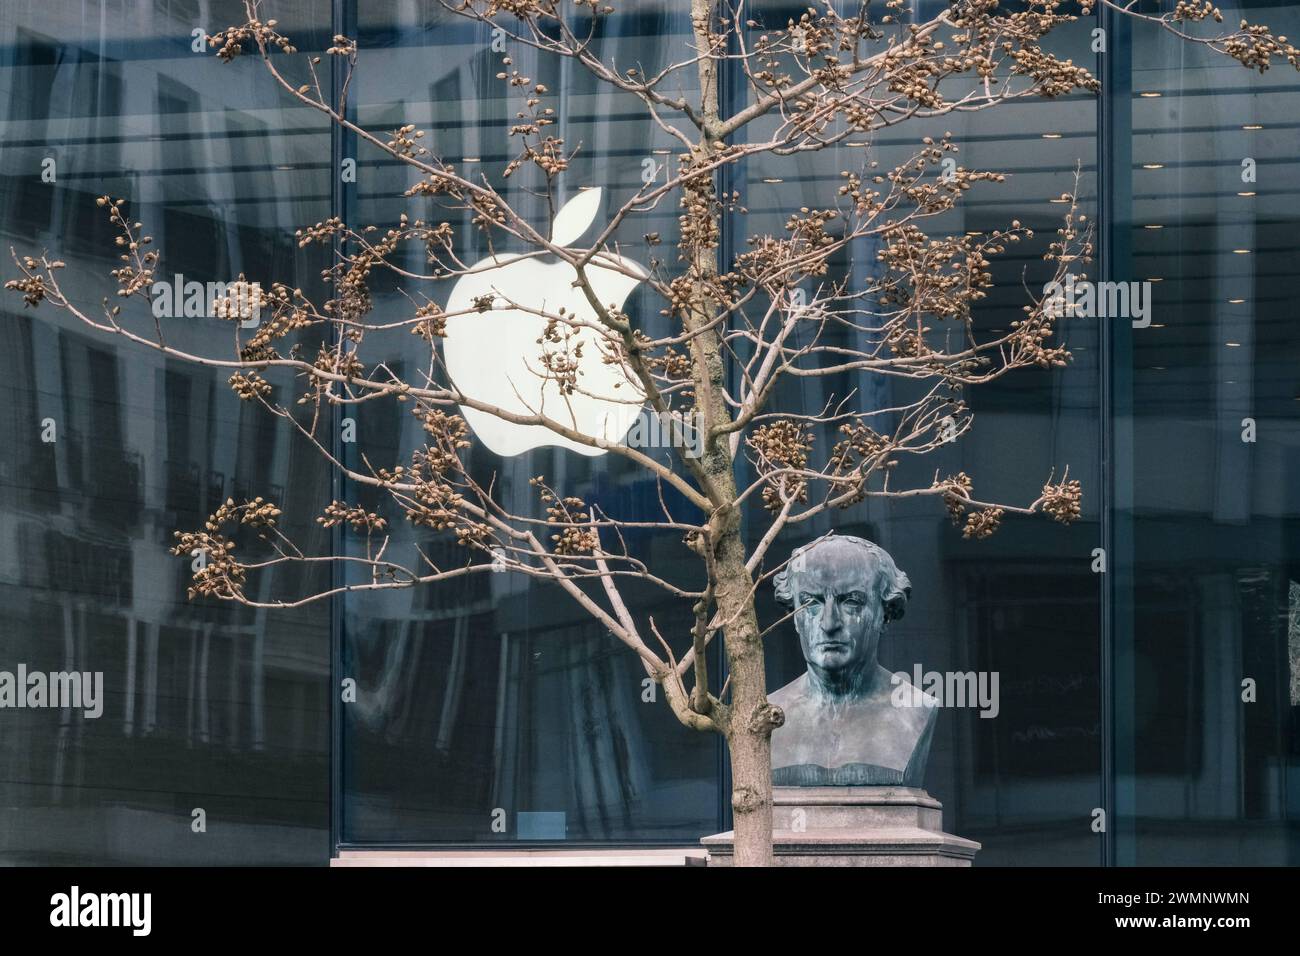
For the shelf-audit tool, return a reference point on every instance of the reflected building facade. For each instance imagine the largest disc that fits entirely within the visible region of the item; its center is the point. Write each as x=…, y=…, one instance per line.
x=493, y=712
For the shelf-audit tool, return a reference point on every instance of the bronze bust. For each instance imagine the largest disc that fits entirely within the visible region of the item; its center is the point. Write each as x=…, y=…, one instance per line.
x=842, y=725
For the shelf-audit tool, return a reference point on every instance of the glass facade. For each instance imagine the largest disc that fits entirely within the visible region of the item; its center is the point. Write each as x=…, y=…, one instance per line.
x=493, y=711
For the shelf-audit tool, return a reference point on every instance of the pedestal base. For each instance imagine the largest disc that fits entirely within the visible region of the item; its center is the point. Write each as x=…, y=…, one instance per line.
x=854, y=826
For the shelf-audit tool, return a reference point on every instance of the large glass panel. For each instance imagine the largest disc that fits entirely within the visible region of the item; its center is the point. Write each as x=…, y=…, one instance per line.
x=1206, y=689
x=495, y=709
x=1024, y=605
x=109, y=447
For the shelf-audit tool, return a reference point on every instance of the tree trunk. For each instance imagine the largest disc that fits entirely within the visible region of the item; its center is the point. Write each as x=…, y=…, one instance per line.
x=750, y=745
x=751, y=719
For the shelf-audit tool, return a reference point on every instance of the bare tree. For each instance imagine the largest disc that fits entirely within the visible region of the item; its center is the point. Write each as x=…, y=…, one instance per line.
x=786, y=308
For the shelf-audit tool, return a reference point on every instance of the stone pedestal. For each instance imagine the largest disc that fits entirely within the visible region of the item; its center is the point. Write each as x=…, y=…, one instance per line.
x=855, y=826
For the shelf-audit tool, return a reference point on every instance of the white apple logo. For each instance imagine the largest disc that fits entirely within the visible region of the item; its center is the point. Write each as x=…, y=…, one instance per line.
x=493, y=356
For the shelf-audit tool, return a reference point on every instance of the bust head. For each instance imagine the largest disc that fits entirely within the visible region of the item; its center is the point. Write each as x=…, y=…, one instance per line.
x=844, y=591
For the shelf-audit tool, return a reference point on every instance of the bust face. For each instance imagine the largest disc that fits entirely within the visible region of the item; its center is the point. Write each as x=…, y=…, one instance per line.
x=840, y=612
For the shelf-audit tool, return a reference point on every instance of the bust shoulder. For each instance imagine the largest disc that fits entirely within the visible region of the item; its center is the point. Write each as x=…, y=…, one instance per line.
x=791, y=692
x=913, y=706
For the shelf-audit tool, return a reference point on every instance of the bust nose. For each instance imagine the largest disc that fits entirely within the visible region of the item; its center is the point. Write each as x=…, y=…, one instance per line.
x=830, y=619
